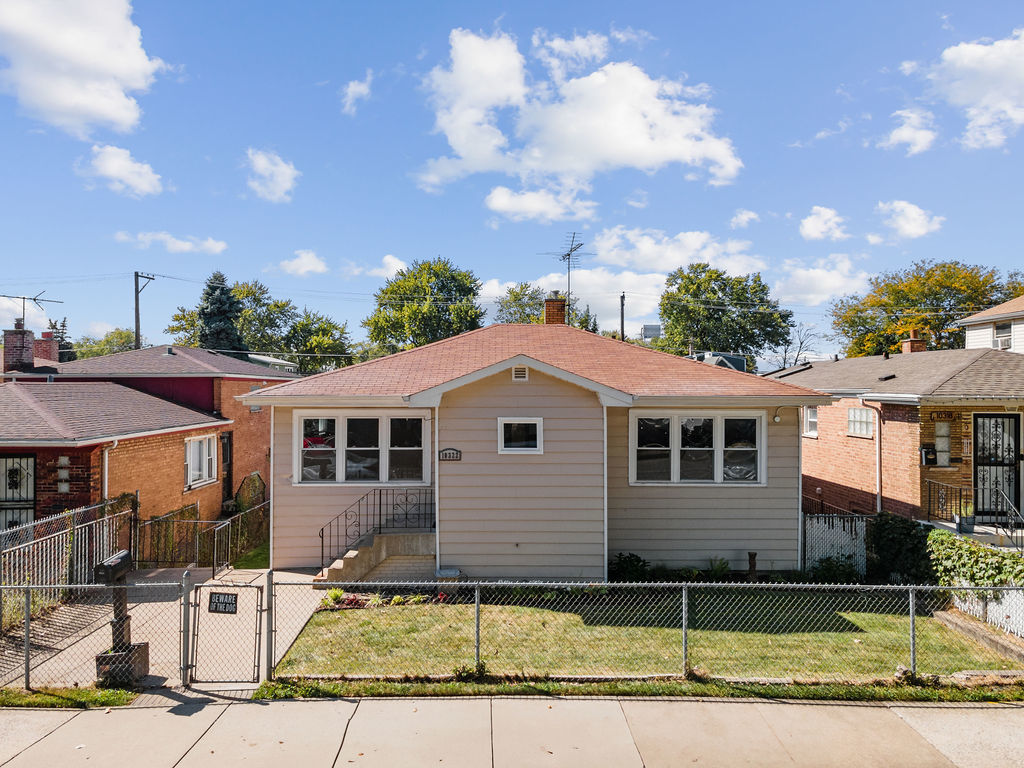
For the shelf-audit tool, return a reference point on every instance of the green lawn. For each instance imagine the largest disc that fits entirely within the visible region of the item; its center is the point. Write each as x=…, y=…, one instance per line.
x=258, y=557
x=73, y=698
x=803, y=636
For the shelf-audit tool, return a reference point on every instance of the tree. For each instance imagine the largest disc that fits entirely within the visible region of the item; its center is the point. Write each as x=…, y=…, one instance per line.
x=320, y=341
x=927, y=296
x=65, y=347
x=218, y=314
x=117, y=340
x=262, y=323
x=184, y=327
x=802, y=341
x=524, y=303
x=704, y=308
x=428, y=301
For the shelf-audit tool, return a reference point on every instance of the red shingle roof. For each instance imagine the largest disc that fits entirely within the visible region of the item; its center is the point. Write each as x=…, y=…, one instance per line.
x=629, y=368
x=84, y=411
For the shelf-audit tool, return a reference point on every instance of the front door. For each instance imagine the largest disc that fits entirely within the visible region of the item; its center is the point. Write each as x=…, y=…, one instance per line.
x=996, y=464
x=17, y=490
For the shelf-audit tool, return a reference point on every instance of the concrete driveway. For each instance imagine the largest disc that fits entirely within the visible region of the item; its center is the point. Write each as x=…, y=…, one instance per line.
x=520, y=732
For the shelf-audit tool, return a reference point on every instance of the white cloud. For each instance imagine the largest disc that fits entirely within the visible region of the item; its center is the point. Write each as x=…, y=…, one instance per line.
x=824, y=279
x=563, y=131
x=171, y=243
x=74, y=64
x=743, y=218
x=986, y=80
x=272, y=178
x=389, y=267
x=908, y=221
x=824, y=133
x=600, y=288
x=562, y=56
x=909, y=67
x=122, y=172
x=653, y=249
x=35, y=318
x=354, y=92
x=823, y=223
x=306, y=262
x=916, y=130
x=542, y=205
x=630, y=35
x=98, y=329
x=874, y=239
x=638, y=199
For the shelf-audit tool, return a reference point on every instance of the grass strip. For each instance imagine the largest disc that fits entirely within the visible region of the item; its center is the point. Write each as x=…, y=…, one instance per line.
x=71, y=698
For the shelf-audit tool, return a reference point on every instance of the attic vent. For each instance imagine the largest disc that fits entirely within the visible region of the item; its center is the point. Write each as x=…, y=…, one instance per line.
x=520, y=373
x=170, y=351
x=887, y=377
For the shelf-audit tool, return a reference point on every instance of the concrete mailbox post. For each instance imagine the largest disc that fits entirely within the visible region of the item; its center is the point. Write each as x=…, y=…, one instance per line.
x=126, y=663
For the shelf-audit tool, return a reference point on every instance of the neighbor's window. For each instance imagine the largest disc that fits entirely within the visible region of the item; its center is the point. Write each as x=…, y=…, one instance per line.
x=372, y=449
x=319, y=459
x=1003, y=333
x=200, y=460
x=691, y=448
x=942, y=443
x=520, y=435
x=860, y=422
x=811, y=421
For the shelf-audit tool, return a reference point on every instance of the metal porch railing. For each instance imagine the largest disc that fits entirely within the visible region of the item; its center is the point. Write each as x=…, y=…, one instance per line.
x=382, y=510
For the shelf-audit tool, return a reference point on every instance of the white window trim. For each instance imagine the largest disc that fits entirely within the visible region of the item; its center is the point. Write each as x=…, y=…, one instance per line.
x=807, y=431
x=719, y=417
x=188, y=459
x=502, y=421
x=870, y=422
x=339, y=415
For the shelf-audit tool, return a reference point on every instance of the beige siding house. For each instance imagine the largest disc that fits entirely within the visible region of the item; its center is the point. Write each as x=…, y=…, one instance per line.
x=532, y=451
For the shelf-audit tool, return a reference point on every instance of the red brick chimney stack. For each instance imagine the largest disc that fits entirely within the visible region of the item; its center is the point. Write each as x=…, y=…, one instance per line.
x=554, y=309
x=19, y=347
x=914, y=344
x=46, y=347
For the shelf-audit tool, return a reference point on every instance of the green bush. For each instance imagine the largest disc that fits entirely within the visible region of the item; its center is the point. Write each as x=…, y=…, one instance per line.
x=958, y=560
x=834, y=570
x=627, y=566
x=897, y=551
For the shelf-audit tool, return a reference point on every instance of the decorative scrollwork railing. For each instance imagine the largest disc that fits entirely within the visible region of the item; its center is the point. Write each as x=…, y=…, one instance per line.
x=382, y=510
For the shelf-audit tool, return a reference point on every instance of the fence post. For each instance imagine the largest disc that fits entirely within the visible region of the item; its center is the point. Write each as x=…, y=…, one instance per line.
x=913, y=632
x=477, y=597
x=268, y=666
x=28, y=638
x=186, y=632
x=686, y=639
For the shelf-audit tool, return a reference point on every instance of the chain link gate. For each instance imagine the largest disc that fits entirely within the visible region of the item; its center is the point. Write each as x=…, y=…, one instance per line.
x=226, y=632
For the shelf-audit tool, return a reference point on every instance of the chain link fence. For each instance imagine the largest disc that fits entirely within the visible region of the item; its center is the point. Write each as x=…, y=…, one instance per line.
x=748, y=632
x=92, y=633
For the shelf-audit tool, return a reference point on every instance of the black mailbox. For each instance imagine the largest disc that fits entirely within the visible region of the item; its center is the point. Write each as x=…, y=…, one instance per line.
x=114, y=568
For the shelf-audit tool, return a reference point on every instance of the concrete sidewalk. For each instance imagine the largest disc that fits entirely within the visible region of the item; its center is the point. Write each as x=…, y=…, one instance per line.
x=519, y=732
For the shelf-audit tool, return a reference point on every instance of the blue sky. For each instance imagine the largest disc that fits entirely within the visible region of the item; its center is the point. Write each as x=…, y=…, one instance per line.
x=319, y=146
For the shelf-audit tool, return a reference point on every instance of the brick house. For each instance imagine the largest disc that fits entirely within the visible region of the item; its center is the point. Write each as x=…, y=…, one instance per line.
x=195, y=379
x=70, y=444
x=910, y=432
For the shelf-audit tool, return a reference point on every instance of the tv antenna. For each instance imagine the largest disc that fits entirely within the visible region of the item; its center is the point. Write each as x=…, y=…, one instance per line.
x=570, y=256
x=34, y=299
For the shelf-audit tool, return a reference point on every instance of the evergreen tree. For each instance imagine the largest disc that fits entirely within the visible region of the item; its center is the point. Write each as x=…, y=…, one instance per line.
x=65, y=347
x=218, y=314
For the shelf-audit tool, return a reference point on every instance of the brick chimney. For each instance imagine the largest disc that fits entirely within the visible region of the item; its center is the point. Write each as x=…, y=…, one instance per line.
x=914, y=344
x=19, y=347
x=46, y=347
x=554, y=309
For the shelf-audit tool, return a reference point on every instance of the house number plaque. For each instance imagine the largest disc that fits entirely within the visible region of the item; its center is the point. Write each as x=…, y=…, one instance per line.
x=449, y=454
x=942, y=415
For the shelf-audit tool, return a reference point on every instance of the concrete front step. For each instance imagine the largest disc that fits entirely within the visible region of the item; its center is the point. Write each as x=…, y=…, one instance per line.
x=985, y=534
x=373, y=550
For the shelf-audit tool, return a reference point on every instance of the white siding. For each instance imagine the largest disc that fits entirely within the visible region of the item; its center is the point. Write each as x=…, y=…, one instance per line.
x=686, y=525
x=522, y=516
x=980, y=336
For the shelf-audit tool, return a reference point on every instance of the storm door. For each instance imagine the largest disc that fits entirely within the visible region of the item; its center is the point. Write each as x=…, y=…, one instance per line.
x=996, y=465
x=17, y=490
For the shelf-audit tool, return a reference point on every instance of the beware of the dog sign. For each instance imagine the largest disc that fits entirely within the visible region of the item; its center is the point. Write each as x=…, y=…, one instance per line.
x=223, y=602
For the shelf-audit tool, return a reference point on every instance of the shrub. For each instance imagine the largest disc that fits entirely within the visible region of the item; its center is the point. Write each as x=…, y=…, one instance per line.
x=398, y=600
x=897, y=551
x=627, y=566
x=718, y=569
x=834, y=570
x=965, y=561
x=335, y=595
x=375, y=601
x=467, y=674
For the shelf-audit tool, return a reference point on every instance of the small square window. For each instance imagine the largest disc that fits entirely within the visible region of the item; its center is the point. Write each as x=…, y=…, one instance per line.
x=860, y=422
x=520, y=435
x=811, y=421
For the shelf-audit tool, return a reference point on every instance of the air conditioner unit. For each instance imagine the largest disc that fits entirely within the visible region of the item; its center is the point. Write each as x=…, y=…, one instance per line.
x=1003, y=342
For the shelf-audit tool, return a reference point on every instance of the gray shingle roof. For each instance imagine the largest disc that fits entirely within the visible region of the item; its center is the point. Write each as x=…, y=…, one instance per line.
x=84, y=411
x=940, y=373
x=155, y=361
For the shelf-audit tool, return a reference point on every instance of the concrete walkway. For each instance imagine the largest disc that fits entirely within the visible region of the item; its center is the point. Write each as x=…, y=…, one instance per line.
x=520, y=732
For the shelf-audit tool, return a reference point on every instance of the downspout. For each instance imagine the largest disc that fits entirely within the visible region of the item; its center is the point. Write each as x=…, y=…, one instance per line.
x=437, y=489
x=270, y=492
x=604, y=409
x=800, y=491
x=878, y=454
x=106, y=463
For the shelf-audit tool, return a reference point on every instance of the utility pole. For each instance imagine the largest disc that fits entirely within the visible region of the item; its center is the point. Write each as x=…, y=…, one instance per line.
x=138, y=330
x=622, y=317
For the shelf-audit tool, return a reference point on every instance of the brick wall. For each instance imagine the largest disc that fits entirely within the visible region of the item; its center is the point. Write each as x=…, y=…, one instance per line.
x=155, y=467
x=251, y=430
x=842, y=466
x=83, y=470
